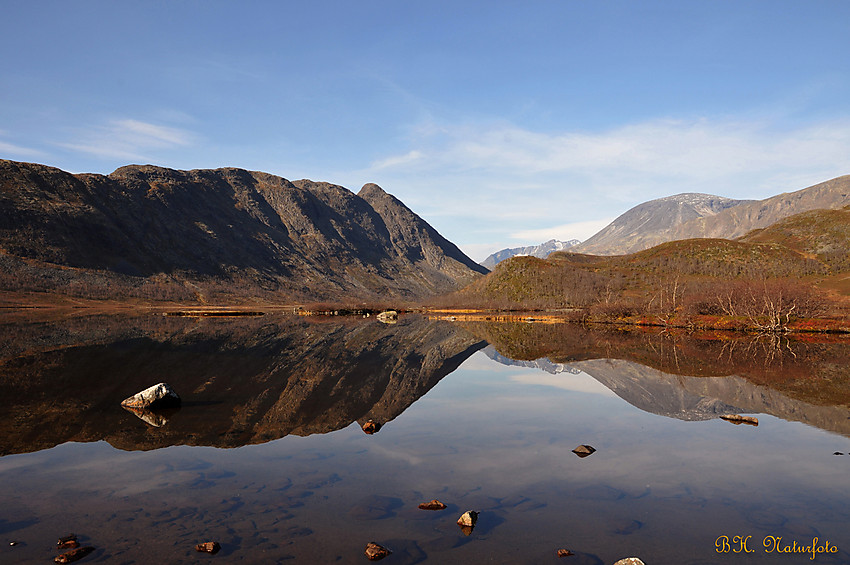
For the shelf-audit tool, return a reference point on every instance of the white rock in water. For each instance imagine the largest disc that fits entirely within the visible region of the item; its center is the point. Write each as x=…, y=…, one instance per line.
x=468, y=518
x=158, y=396
x=630, y=561
x=388, y=317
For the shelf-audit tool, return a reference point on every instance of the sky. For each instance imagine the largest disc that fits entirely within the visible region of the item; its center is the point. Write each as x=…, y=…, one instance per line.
x=502, y=124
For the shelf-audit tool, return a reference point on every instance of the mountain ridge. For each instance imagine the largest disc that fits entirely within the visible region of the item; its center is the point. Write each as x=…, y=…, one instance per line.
x=542, y=251
x=682, y=217
x=247, y=232
x=649, y=223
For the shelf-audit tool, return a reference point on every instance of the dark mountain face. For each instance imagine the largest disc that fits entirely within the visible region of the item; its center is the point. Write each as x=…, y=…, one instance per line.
x=245, y=229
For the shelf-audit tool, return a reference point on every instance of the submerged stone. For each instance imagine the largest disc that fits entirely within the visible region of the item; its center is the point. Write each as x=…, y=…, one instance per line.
x=433, y=505
x=738, y=419
x=565, y=553
x=158, y=396
x=376, y=552
x=73, y=555
x=584, y=450
x=371, y=427
x=388, y=317
x=468, y=519
x=212, y=547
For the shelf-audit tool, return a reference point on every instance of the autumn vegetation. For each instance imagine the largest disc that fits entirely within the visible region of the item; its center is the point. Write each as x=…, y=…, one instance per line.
x=791, y=276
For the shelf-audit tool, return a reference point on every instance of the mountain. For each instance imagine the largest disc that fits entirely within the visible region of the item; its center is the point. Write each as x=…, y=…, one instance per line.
x=689, y=216
x=752, y=215
x=653, y=222
x=147, y=231
x=543, y=250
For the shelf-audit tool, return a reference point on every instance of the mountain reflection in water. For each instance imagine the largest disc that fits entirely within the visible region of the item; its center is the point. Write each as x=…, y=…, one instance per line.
x=242, y=381
x=458, y=427
x=251, y=380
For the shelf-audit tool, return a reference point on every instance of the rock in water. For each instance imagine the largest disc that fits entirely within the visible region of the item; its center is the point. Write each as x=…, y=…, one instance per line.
x=565, y=553
x=371, y=427
x=738, y=419
x=584, y=450
x=208, y=547
x=388, y=317
x=68, y=542
x=468, y=519
x=376, y=552
x=630, y=561
x=158, y=396
x=433, y=505
x=73, y=555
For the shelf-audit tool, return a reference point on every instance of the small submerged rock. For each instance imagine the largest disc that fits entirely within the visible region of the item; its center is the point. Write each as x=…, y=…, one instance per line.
x=68, y=542
x=159, y=395
x=565, y=553
x=73, y=555
x=433, y=505
x=212, y=547
x=584, y=450
x=738, y=419
x=838, y=453
x=388, y=317
x=376, y=552
x=371, y=427
x=467, y=521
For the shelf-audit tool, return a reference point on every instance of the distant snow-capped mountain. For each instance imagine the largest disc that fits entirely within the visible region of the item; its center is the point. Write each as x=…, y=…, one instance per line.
x=543, y=250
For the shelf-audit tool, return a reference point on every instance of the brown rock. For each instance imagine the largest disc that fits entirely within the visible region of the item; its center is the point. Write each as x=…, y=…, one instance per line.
x=376, y=552
x=565, y=553
x=68, y=544
x=212, y=547
x=738, y=419
x=371, y=427
x=584, y=450
x=433, y=505
x=630, y=561
x=73, y=555
x=66, y=539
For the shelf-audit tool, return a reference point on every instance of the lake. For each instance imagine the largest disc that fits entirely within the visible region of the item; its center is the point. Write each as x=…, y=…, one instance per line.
x=267, y=454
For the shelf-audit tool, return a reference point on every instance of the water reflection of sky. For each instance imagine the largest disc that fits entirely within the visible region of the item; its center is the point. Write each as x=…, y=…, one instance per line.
x=488, y=437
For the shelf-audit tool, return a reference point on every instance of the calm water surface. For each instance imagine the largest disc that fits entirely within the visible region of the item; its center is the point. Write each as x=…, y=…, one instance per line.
x=267, y=455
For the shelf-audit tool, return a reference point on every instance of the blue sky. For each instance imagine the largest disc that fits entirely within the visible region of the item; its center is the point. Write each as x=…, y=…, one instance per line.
x=500, y=123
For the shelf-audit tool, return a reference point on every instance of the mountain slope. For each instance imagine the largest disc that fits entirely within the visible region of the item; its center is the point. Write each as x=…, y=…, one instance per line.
x=654, y=222
x=542, y=251
x=688, y=216
x=752, y=215
x=241, y=230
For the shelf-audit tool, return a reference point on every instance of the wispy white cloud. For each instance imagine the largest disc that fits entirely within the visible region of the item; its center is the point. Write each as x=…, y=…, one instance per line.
x=689, y=152
x=398, y=160
x=19, y=151
x=574, y=230
x=577, y=383
x=490, y=184
x=128, y=139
